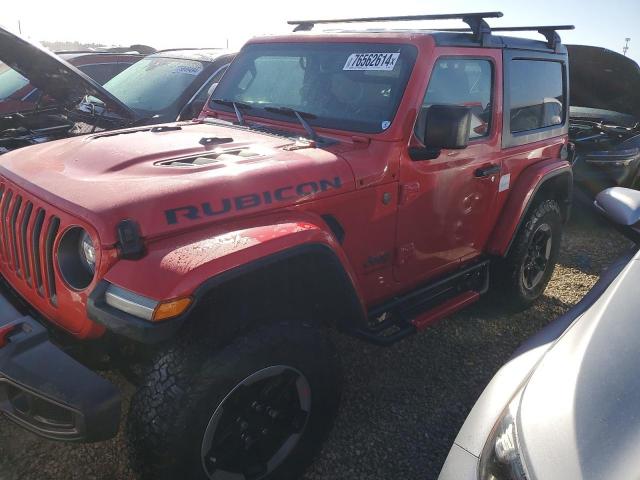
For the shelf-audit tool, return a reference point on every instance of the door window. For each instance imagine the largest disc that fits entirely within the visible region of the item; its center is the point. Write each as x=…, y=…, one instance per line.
x=461, y=81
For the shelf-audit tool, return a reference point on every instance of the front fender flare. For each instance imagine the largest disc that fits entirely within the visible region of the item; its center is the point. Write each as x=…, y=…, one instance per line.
x=194, y=263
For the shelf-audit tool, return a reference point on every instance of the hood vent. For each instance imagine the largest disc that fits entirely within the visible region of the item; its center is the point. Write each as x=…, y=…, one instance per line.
x=118, y=132
x=220, y=157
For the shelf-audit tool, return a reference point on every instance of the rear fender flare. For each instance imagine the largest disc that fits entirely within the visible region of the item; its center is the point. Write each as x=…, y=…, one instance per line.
x=553, y=177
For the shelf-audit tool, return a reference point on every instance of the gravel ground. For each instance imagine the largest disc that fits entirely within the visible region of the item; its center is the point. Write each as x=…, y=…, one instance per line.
x=402, y=406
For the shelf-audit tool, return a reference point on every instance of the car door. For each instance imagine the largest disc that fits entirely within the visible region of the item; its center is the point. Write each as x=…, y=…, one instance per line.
x=446, y=204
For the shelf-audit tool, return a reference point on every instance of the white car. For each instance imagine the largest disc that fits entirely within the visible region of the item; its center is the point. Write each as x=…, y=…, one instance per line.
x=567, y=404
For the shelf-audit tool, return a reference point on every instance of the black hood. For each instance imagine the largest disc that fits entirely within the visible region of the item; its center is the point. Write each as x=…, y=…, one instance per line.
x=603, y=79
x=53, y=75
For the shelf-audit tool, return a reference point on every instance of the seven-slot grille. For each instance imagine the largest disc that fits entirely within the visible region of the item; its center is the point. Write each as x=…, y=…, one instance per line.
x=27, y=234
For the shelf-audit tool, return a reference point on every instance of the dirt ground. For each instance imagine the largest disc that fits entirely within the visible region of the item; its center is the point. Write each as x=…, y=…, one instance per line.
x=402, y=406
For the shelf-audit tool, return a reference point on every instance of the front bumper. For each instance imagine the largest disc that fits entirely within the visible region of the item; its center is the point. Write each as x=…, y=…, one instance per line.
x=46, y=391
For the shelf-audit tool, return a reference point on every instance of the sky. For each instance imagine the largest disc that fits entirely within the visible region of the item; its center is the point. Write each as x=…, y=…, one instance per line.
x=201, y=23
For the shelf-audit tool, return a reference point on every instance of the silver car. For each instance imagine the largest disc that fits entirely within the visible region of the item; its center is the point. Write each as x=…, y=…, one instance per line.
x=567, y=404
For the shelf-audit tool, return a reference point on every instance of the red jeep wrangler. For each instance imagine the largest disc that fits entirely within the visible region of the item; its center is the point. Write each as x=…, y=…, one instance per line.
x=371, y=182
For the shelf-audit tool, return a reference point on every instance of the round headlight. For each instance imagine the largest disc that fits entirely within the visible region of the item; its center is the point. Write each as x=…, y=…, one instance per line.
x=88, y=251
x=77, y=258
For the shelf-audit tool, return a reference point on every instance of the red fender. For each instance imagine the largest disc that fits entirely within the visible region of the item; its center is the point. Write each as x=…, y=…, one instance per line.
x=176, y=266
x=522, y=193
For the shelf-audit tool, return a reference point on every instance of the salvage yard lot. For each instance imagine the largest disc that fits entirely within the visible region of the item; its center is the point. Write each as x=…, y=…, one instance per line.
x=402, y=405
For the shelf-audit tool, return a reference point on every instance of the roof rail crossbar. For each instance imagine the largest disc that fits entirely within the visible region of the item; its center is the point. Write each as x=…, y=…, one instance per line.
x=480, y=28
x=476, y=22
x=550, y=32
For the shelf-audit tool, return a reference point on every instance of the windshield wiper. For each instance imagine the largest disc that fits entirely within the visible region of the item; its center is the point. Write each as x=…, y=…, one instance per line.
x=301, y=118
x=236, y=107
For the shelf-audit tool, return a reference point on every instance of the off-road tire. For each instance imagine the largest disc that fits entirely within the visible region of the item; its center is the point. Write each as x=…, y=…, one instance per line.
x=186, y=382
x=508, y=285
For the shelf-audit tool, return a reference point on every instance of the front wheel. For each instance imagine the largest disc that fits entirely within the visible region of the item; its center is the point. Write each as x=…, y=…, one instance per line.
x=257, y=409
x=521, y=277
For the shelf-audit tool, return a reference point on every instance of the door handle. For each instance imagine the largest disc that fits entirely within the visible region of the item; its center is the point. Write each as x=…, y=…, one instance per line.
x=487, y=171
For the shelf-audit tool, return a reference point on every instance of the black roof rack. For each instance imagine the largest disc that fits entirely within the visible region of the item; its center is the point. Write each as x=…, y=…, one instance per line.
x=550, y=32
x=476, y=22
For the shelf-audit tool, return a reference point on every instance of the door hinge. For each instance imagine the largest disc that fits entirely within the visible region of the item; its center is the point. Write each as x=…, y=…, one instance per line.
x=408, y=192
x=405, y=253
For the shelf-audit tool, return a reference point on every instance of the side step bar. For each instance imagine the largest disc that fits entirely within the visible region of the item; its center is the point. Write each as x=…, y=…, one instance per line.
x=405, y=315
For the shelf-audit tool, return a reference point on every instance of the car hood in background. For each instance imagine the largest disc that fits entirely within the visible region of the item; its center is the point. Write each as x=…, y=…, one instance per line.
x=53, y=75
x=579, y=415
x=603, y=79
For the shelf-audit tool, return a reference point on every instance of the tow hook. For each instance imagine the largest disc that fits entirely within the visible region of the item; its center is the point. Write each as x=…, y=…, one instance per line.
x=6, y=330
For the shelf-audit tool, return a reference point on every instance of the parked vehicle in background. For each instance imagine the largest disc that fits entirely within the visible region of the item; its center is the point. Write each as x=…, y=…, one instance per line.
x=17, y=94
x=373, y=182
x=605, y=118
x=168, y=86
x=566, y=404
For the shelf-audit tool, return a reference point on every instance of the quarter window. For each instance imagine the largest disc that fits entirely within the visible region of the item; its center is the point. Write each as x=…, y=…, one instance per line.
x=537, y=95
x=461, y=81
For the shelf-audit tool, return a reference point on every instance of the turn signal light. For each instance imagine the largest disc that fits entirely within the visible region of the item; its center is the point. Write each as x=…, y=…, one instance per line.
x=171, y=308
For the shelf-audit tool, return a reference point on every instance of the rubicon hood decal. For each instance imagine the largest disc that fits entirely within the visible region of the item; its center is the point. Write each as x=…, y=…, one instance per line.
x=104, y=179
x=250, y=200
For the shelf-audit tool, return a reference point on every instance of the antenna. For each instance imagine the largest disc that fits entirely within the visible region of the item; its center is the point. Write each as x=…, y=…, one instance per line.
x=625, y=49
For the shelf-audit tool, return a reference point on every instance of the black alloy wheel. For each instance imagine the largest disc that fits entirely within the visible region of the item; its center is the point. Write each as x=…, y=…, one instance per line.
x=257, y=425
x=257, y=408
x=536, y=260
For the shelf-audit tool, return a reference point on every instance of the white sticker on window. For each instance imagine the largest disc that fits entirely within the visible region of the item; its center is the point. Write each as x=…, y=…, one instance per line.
x=386, y=124
x=188, y=69
x=504, y=182
x=371, y=61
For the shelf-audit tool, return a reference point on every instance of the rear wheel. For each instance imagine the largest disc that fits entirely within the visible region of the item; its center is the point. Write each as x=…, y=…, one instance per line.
x=257, y=409
x=521, y=278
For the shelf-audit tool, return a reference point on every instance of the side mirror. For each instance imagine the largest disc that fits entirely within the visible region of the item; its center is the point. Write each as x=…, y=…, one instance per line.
x=621, y=206
x=445, y=126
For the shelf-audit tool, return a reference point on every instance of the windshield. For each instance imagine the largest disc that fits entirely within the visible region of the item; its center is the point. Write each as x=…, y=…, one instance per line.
x=346, y=86
x=10, y=82
x=154, y=84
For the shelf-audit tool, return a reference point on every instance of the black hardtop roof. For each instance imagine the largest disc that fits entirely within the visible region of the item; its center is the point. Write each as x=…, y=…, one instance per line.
x=462, y=39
